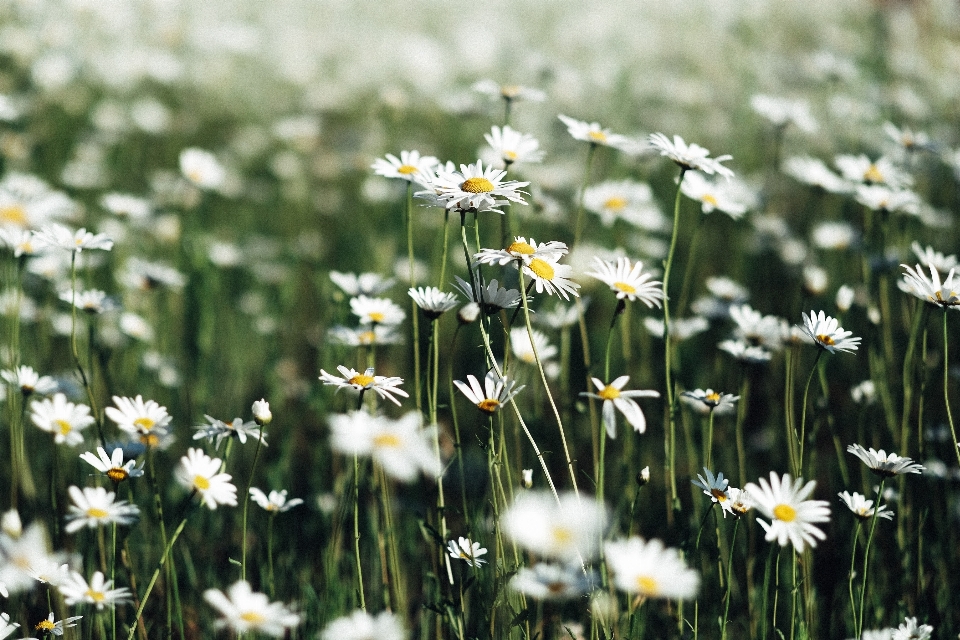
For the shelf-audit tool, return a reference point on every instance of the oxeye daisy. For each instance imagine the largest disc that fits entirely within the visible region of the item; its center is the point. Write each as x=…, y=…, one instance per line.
x=366, y=284
x=548, y=581
x=626, y=200
x=909, y=629
x=520, y=250
x=62, y=418
x=410, y=166
x=715, y=486
x=383, y=386
x=711, y=400
x=739, y=501
x=51, y=626
x=691, y=156
x=650, y=570
x=567, y=531
x=627, y=279
x=593, y=133
x=98, y=592
x=551, y=277
x=242, y=609
x=201, y=473
x=402, y=447
x=276, y=502
x=792, y=516
x=58, y=236
x=729, y=196
x=377, y=311
x=814, y=172
x=860, y=168
x=7, y=627
x=466, y=550
x=523, y=348
x=616, y=399
x=219, y=430
x=495, y=393
x=828, y=334
x=364, y=336
x=491, y=298
x=360, y=625
x=882, y=198
x=93, y=301
x=944, y=294
x=113, y=465
x=862, y=508
x=474, y=188
x=885, y=464
x=95, y=507
x=680, y=328
x=432, y=301
x=513, y=147
x=29, y=381
x=133, y=415
x=781, y=112
x=261, y=412
x=931, y=257
x=745, y=352
x=202, y=168
x=511, y=92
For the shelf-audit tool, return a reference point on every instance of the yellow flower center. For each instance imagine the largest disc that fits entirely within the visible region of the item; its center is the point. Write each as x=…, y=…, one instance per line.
x=44, y=625
x=361, y=380
x=719, y=496
x=202, y=483
x=376, y=316
x=713, y=398
x=150, y=439
x=784, y=512
x=195, y=176
x=367, y=337
x=253, y=617
x=825, y=339
x=647, y=586
x=562, y=536
x=144, y=423
x=510, y=155
x=489, y=405
x=597, y=136
x=521, y=248
x=541, y=269
x=96, y=596
x=65, y=427
x=406, y=169
x=97, y=513
x=556, y=587
x=872, y=174
x=117, y=474
x=616, y=203
x=477, y=185
x=709, y=199
x=13, y=214
x=623, y=286
x=609, y=393
x=389, y=440
x=510, y=91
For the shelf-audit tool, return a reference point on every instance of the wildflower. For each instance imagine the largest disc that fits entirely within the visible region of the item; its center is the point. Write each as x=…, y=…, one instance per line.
x=908, y=139
x=910, y=630
x=650, y=570
x=715, y=487
x=113, y=466
x=401, y=446
x=360, y=625
x=593, y=133
x=731, y=197
x=691, y=156
x=712, y=400
x=276, y=502
x=145, y=275
x=409, y=166
x=828, y=334
x=27, y=558
x=814, y=172
x=474, y=188
x=863, y=508
x=754, y=327
x=567, y=531
x=625, y=200
x=19, y=241
x=883, y=464
x=27, y=202
x=745, y=352
x=627, y=280
x=466, y=550
x=526, y=476
x=864, y=393
x=944, y=294
x=62, y=418
x=882, y=171
x=680, y=328
x=643, y=478
x=135, y=416
x=201, y=473
x=513, y=147
x=242, y=609
x=615, y=398
x=366, y=284
x=29, y=381
x=432, y=301
x=202, y=169
x=375, y=335
x=833, y=235
x=98, y=591
x=93, y=301
x=525, y=350
x=383, y=386
x=468, y=313
x=561, y=315
x=551, y=277
x=95, y=506
x=54, y=627
x=510, y=92
x=127, y=206
x=491, y=298
x=376, y=311
x=929, y=256
x=521, y=251
x=7, y=627
x=548, y=581
x=59, y=237
x=261, y=412
x=739, y=501
x=783, y=111
x=792, y=516
x=496, y=391
x=882, y=198
x=218, y=430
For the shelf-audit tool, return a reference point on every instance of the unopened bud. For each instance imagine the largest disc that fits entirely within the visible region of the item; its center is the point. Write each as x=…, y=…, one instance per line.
x=261, y=412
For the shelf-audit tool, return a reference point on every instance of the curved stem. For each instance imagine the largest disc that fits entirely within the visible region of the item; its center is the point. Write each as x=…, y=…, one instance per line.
x=946, y=390
x=583, y=188
x=246, y=506
x=413, y=304
x=726, y=597
x=866, y=558
x=803, y=415
x=356, y=530
x=156, y=574
x=853, y=558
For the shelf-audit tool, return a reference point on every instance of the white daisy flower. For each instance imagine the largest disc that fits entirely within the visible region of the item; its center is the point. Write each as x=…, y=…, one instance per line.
x=881, y=197
x=410, y=166
x=202, y=169
x=863, y=508
x=784, y=111
x=62, y=418
x=828, y=334
x=567, y=531
x=466, y=550
x=378, y=311
x=680, y=328
x=401, y=447
x=627, y=279
x=491, y=298
x=29, y=381
x=885, y=464
x=51, y=626
x=511, y=92
x=551, y=277
x=201, y=473
x=242, y=610
x=495, y=393
x=523, y=348
x=219, y=430
x=113, y=465
x=98, y=592
x=432, y=301
x=19, y=241
x=626, y=200
x=59, y=237
x=739, y=501
x=360, y=625
x=745, y=352
x=513, y=147
x=92, y=301
x=650, y=570
x=127, y=206
x=593, y=133
x=944, y=294
x=7, y=627
x=365, y=284
x=910, y=630
x=614, y=398
x=931, y=257
x=792, y=516
x=473, y=188
x=815, y=172
x=860, y=169
x=383, y=386
x=520, y=250
x=691, y=156
x=715, y=486
x=276, y=502
x=377, y=334
x=730, y=196
x=95, y=507
x=135, y=416
x=711, y=400
x=547, y=581
x=261, y=412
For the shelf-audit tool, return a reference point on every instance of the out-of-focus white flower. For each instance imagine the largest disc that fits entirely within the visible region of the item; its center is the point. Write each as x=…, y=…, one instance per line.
x=567, y=531
x=202, y=169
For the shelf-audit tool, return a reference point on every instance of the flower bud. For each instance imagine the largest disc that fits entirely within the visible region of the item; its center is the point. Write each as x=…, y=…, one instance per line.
x=261, y=412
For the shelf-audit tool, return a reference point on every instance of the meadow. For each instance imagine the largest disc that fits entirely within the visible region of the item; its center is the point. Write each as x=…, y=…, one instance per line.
x=531, y=320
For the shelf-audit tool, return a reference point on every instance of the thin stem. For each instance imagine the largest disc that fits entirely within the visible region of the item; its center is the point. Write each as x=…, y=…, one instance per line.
x=727, y=595
x=156, y=574
x=946, y=391
x=583, y=188
x=850, y=576
x=246, y=506
x=803, y=415
x=270, y=574
x=356, y=530
x=413, y=304
x=866, y=558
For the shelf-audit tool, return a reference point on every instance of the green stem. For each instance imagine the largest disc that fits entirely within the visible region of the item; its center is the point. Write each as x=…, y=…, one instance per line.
x=356, y=530
x=246, y=506
x=727, y=595
x=946, y=390
x=850, y=576
x=413, y=305
x=798, y=471
x=270, y=574
x=583, y=188
x=156, y=574
x=866, y=558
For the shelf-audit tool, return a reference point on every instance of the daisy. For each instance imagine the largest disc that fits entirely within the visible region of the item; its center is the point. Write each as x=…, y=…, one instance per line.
x=466, y=550
x=716, y=488
x=627, y=280
x=95, y=507
x=745, y=352
x=691, y=156
x=883, y=464
x=19, y=241
x=512, y=146
x=828, y=334
x=468, y=313
x=626, y=200
x=474, y=188
x=910, y=630
x=362, y=336
x=510, y=92
x=242, y=609
x=59, y=237
x=739, y=501
x=561, y=315
x=712, y=400
x=815, y=172
x=496, y=391
x=731, y=197
x=7, y=627
x=383, y=386
x=402, y=447
x=944, y=294
x=523, y=348
x=113, y=466
x=491, y=298
x=201, y=473
x=135, y=416
x=62, y=418
x=615, y=398
x=650, y=570
x=276, y=502
x=783, y=111
x=366, y=284
x=147, y=276
x=680, y=328
x=860, y=169
x=377, y=311
x=409, y=166
x=567, y=531
x=551, y=277
x=51, y=626
x=360, y=625
x=930, y=256
x=202, y=169
x=880, y=197
x=547, y=581
x=29, y=381
x=792, y=516
x=127, y=206
x=522, y=251
x=28, y=202
x=863, y=508
x=218, y=430
x=432, y=301
x=907, y=138
x=593, y=133
x=93, y=301
x=261, y=412
x=99, y=592
x=27, y=558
